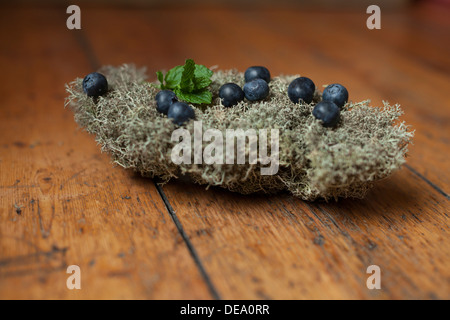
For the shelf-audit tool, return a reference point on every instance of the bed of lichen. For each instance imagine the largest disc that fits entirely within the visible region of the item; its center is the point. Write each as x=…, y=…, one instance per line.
x=368, y=144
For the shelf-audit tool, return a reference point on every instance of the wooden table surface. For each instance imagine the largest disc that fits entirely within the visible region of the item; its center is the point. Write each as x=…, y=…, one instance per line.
x=62, y=202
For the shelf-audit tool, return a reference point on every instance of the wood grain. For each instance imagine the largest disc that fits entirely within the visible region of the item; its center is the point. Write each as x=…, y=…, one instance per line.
x=62, y=202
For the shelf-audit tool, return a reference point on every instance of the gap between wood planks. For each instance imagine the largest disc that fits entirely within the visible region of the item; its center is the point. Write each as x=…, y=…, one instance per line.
x=435, y=187
x=95, y=65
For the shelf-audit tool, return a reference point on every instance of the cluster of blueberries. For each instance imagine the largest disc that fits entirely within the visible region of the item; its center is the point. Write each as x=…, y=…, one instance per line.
x=334, y=97
x=256, y=87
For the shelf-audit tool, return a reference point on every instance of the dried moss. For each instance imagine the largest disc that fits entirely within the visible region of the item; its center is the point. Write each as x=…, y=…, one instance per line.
x=315, y=162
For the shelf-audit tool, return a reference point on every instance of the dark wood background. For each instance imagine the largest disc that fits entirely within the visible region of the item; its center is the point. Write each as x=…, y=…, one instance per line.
x=62, y=202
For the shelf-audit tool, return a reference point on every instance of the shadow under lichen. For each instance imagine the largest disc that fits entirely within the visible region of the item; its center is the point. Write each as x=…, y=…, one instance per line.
x=368, y=144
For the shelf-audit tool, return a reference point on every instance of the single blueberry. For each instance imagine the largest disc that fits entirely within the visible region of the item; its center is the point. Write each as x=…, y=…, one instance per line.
x=336, y=93
x=164, y=99
x=257, y=89
x=328, y=112
x=257, y=72
x=95, y=84
x=231, y=94
x=301, y=89
x=180, y=112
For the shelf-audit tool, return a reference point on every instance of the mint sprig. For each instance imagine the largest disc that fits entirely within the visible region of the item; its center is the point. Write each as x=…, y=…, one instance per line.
x=189, y=82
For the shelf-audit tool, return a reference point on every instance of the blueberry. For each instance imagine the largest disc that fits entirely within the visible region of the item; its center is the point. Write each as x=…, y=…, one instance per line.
x=336, y=93
x=164, y=99
x=328, y=112
x=180, y=112
x=231, y=94
x=257, y=72
x=257, y=89
x=301, y=89
x=95, y=84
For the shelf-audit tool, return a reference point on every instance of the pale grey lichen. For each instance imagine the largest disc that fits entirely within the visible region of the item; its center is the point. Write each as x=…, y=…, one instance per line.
x=368, y=144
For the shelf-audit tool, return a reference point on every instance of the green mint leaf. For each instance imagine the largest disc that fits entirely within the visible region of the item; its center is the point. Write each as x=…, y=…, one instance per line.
x=202, y=77
x=198, y=97
x=189, y=82
x=201, y=83
x=173, y=77
x=160, y=76
x=202, y=72
x=186, y=82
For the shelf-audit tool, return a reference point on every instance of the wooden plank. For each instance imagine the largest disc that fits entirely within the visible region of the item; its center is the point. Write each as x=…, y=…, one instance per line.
x=61, y=200
x=279, y=247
